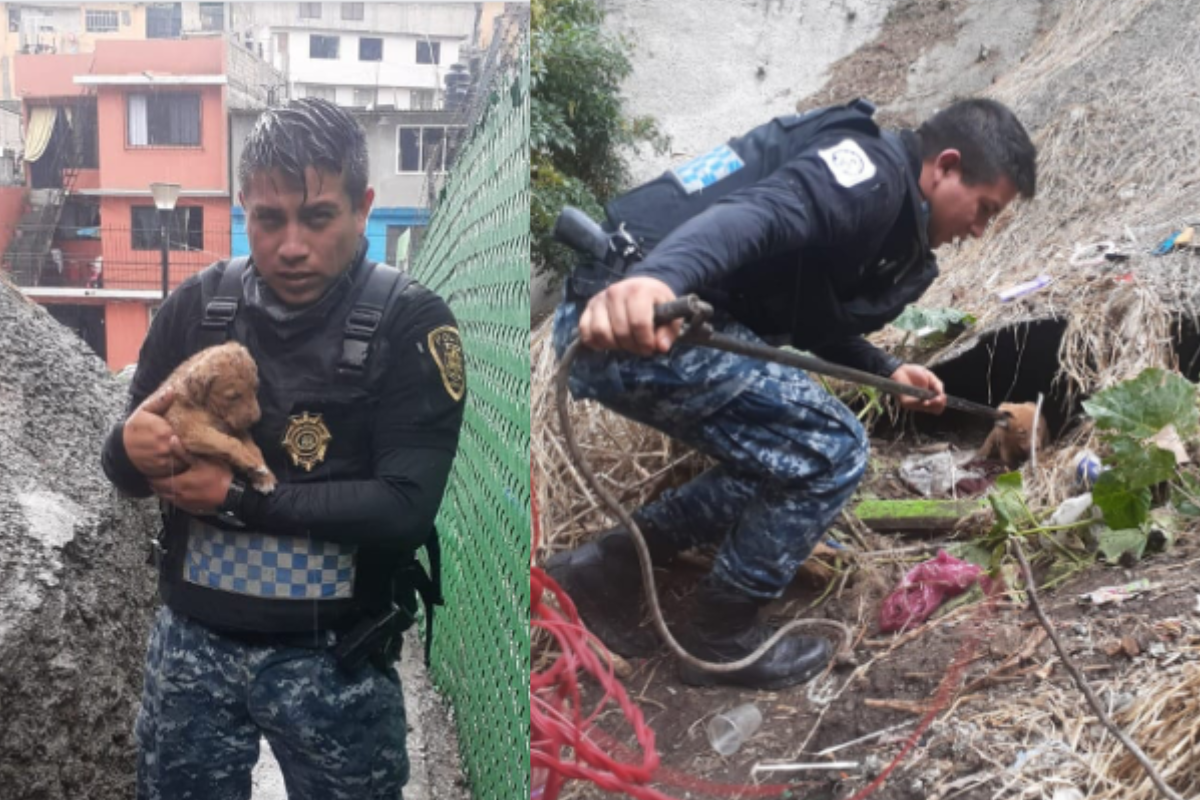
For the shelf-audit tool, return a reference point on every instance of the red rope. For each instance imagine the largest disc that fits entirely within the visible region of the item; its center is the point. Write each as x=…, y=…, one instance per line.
x=558, y=725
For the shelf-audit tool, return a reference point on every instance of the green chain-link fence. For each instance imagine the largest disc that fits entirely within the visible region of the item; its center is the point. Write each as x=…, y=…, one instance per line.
x=476, y=255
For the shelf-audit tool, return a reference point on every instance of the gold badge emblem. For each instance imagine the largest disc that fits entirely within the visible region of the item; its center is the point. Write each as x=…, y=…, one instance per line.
x=446, y=348
x=305, y=440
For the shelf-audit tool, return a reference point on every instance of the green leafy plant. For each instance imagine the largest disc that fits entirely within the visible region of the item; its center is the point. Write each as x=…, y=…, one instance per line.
x=579, y=127
x=1132, y=416
x=915, y=319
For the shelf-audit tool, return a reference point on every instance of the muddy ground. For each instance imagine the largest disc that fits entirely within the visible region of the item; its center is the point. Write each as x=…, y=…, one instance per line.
x=899, y=675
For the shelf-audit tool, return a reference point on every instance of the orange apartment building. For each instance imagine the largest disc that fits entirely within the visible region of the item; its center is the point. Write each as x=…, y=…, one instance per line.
x=100, y=128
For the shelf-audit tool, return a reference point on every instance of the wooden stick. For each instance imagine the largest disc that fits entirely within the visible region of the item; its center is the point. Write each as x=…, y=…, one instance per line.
x=1082, y=683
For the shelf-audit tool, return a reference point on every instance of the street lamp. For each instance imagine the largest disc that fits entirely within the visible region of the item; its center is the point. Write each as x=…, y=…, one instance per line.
x=165, y=195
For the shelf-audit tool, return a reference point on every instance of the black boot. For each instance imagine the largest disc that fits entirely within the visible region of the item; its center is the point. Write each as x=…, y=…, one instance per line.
x=604, y=580
x=725, y=628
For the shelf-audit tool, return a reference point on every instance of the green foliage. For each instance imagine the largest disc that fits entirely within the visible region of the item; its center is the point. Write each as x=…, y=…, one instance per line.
x=578, y=124
x=1145, y=405
x=941, y=320
x=1129, y=414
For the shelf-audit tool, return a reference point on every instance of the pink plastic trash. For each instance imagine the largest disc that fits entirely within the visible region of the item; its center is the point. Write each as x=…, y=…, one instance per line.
x=924, y=588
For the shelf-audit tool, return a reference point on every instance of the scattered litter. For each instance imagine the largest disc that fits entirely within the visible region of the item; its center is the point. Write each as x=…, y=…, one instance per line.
x=1071, y=510
x=1068, y=794
x=935, y=474
x=804, y=767
x=1087, y=468
x=1168, y=439
x=1184, y=239
x=862, y=739
x=1021, y=289
x=1166, y=245
x=1092, y=255
x=925, y=587
x=730, y=729
x=1197, y=608
x=1117, y=594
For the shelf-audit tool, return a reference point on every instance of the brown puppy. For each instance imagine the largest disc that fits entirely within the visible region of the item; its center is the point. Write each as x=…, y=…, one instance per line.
x=216, y=403
x=1010, y=437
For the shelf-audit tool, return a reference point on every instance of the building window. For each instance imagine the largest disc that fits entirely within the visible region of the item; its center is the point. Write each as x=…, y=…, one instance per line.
x=365, y=98
x=352, y=11
x=100, y=21
x=168, y=119
x=370, y=49
x=422, y=99
x=310, y=11
x=429, y=52
x=419, y=148
x=322, y=46
x=212, y=16
x=186, y=228
x=164, y=21
x=321, y=92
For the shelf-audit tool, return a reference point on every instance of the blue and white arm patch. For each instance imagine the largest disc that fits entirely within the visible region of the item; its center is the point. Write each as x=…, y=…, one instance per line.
x=703, y=171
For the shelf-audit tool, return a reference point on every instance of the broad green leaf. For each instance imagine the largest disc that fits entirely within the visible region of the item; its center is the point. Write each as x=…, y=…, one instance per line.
x=973, y=552
x=915, y=319
x=1122, y=507
x=1185, y=496
x=1137, y=466
x=1114, y=543
x=1008, y=501
x=1145, y=405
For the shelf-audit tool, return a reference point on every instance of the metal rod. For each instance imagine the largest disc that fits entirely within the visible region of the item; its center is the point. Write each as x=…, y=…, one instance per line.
x=699, y=332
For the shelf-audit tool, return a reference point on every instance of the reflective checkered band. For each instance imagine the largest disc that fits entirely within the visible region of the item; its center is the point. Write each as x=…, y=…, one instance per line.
x=261, y=565
x=709, y=168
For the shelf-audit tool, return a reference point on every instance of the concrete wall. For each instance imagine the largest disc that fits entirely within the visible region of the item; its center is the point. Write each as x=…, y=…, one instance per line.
x=713, y=69
x=126, y=268
x=124, y=167
x=399, y=67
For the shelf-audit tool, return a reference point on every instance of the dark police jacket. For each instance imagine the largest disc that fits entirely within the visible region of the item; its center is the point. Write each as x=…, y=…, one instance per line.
x=353, y=515
x=830, y=246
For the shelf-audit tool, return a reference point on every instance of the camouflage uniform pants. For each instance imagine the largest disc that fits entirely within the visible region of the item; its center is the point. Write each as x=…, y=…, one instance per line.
x=790, y=453
x=209, y=698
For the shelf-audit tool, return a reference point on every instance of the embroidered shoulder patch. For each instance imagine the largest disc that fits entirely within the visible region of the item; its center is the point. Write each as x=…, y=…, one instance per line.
x=848, y=163
x=446, y=348
x=703, y=171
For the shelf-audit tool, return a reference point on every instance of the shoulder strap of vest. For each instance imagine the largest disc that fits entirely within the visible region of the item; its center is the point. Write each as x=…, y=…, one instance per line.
x=383, y=284
x=222, y=307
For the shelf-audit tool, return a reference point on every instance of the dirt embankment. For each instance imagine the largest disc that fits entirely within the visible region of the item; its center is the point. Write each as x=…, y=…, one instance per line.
x=75, y=591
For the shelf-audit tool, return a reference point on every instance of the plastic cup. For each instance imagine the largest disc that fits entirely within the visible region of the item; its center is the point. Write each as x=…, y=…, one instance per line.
x=730, y=729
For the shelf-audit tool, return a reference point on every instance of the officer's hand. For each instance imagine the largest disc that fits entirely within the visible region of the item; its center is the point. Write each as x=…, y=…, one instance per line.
x=148, y=436
x=200, y=489
x=622, y=318
x=918, y=376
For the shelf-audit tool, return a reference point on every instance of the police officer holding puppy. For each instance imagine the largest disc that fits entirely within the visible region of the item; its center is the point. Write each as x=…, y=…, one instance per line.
x=823, y=231
x=282, y=611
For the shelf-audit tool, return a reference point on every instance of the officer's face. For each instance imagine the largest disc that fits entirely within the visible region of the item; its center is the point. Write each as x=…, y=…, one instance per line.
x=300, y=248
x=958, y=210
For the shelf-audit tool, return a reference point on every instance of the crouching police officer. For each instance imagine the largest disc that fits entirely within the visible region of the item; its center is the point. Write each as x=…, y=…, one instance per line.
x=282, y=612
x=811, y=230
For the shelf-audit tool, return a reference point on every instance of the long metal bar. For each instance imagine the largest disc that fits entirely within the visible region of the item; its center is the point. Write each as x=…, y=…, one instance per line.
x=699, y=332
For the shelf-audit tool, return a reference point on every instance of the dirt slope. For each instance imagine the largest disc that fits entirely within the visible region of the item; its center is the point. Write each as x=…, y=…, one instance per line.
x=75, y=594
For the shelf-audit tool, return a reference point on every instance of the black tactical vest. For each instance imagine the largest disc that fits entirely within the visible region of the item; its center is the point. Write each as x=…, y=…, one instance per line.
x=317, y=400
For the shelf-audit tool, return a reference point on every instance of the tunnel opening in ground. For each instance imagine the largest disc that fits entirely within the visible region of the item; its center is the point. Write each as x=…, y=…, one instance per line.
x=1187, y=346
x=1012, y=364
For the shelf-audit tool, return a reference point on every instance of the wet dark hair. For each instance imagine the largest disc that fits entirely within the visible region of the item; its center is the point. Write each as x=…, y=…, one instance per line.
x=991, y=139
x=307, y=133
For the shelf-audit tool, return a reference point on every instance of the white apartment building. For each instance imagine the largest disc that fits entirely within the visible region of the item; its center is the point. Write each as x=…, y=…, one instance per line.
x=380, y=56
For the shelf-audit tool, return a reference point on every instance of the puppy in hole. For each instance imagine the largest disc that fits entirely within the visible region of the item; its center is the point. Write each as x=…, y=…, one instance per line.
x=1010, y=438
x=215, y=405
